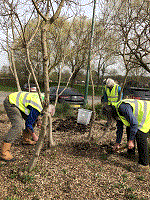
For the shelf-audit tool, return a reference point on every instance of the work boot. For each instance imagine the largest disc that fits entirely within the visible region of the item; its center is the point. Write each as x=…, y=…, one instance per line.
x=27, y=138
x=5, y=152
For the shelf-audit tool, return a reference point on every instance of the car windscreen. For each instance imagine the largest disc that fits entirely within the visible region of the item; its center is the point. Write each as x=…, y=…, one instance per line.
x=67, y=91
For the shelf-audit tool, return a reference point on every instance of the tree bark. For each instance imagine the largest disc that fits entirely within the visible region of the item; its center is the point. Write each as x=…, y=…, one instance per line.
x=44, y=29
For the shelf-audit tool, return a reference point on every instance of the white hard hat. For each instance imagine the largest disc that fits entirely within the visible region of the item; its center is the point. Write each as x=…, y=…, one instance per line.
x=110, y=82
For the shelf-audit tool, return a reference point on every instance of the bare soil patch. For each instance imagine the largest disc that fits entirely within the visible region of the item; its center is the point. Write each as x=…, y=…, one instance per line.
x=74, y=169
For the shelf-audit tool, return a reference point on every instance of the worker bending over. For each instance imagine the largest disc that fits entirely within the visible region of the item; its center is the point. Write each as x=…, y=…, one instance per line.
x=21, y=106
x=135, y=114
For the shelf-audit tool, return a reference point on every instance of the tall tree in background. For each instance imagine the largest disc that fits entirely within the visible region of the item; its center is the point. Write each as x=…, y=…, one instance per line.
x=79, y=41
x=7, y=12
x=130, y=24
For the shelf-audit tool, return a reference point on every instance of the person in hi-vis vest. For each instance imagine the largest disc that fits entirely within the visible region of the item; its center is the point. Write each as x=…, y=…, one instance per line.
x=112, y=93
x=21, y=107
x=135, y=114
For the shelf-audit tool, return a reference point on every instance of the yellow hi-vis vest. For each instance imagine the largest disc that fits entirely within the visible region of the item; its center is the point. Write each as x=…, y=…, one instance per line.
x=113, y=95
x=141, y=111
x=24, y=99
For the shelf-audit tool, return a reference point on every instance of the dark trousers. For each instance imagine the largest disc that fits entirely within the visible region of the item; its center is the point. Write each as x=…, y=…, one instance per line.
x=142, y=146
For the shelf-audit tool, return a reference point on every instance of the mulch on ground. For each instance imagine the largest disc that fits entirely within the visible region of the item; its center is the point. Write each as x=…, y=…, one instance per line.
x=75, y=168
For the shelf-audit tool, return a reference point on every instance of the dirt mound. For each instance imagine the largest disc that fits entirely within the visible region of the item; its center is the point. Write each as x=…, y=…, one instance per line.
x=70, y=123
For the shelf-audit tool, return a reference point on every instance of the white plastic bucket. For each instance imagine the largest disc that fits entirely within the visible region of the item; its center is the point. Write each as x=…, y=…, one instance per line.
x=84, y=116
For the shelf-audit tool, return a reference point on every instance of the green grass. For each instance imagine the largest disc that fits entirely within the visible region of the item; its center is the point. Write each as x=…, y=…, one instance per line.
x=8, y=89
x=141, y=178
x=63, y=110
x=27, y=178
x=80, y=88
x=12, y=198
x=30, y=189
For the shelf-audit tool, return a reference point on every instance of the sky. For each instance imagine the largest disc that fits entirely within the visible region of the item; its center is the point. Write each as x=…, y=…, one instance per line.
x=86, y=9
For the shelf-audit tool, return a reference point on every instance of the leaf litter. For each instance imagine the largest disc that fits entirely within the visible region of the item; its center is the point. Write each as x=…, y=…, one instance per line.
x=75, y=168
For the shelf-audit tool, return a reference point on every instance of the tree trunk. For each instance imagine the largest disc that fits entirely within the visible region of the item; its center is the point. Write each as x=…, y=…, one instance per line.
x=15, y=71
x=74, y=76
x=46, y=100
x=98, y=75
x=44, y=29
x=39, y=144
x=90, y=137
x=13, y=59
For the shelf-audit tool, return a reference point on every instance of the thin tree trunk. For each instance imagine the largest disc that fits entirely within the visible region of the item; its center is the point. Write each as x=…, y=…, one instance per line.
x=44, y=29
x=93, y=108
x=32, y=72
x=40, y=142
x=15, y=71
x=125, y=78
x=50, y=136
x=13, y=59
x=98, y=75
x=46, y=101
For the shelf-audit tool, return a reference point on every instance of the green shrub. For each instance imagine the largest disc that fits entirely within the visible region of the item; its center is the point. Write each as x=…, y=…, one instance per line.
x=81, y=89
x=98, y=110
x=64, y=110
x=88, y=107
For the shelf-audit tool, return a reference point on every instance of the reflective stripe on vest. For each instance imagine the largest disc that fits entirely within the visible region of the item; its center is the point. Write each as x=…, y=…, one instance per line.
x=113, y=95
x=23, y=99
x=141, y=111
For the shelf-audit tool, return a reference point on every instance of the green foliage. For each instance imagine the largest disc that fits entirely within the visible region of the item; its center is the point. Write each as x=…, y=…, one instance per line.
x=119, y=185
x=30, y=189
x=124, y=176
x=90, y=164
x=64, y=110
x=13, y=174
x=88, y=107
x=103, y=156
x=81, y=89
x=131, y=196
x=141, y=178
x=64, y=171
x=15, y=189
x=27, y=178
x=98, y=111
x=11, y=198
